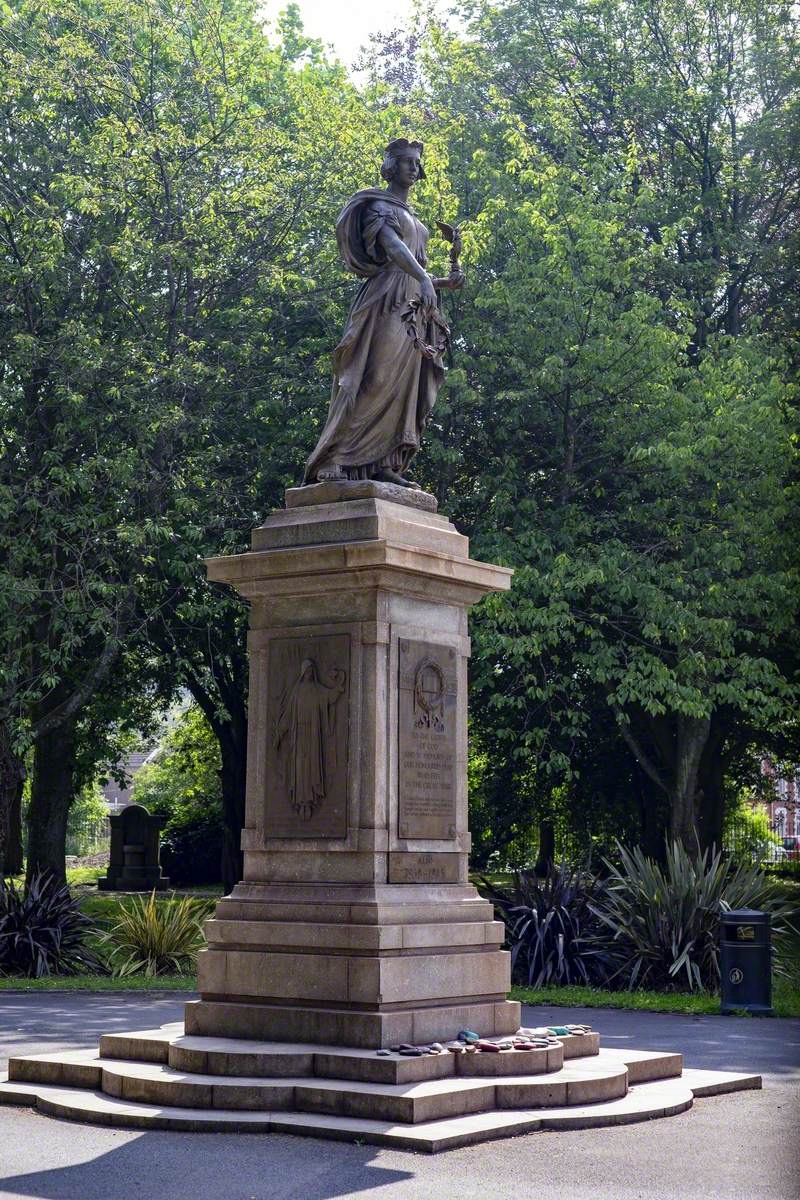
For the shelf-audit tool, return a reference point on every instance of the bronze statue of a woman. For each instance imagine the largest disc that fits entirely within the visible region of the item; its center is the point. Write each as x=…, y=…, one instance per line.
x=388, y=366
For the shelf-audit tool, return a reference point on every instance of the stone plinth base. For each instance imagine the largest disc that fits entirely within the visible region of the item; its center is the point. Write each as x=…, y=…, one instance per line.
x=355, y=922
x=341, y=1027
x=353, y=964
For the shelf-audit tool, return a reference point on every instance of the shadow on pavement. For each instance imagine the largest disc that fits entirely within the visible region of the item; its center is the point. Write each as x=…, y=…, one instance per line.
x=209, y=1166
x=35, y=1022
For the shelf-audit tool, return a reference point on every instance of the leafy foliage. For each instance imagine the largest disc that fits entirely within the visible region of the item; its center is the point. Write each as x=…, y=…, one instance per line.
x=87, y=824
x=661, y=924
x=191, y=846
x=157, y=937
x=748, y=831
x=183, y=785
x=170, y=177
x=549, y=923
x=184, y=774
x=619, y=424
x=43, y=931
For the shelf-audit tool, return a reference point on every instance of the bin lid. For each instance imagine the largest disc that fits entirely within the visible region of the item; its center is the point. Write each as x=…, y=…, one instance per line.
x=753, y=916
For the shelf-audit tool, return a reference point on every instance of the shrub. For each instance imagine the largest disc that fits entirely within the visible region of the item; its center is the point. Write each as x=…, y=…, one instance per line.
x=153, y=937
x=42, y=930
x=88, y=830
x=191, y=847
x=661, y=925
x=748, y=833
x=183, y=785
x=550, y=926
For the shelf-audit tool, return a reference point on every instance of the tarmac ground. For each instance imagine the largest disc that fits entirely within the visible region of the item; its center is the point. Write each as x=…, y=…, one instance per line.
x=743, y=1146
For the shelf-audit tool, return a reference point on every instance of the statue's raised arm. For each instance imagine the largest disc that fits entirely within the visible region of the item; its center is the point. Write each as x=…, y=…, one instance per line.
x=388, y=366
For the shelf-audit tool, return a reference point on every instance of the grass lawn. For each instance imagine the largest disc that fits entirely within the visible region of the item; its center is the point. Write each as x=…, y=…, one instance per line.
x=99, y=983
x=102, y=907
x=785, y=999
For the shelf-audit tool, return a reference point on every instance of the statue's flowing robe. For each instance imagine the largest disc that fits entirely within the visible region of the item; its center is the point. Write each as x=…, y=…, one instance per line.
x=383, y=387
x=304, y=723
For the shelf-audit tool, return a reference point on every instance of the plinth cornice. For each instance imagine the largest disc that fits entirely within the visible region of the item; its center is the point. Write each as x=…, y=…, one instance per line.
x=369, y=564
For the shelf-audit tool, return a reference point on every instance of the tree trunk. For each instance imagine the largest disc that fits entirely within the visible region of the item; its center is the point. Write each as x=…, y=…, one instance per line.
x=12, y=781
x=14, y=857
x=672, y=761
x=232, y=736
x=692, y=736
x=52, y=793
x=547, y=849
x=711, y=800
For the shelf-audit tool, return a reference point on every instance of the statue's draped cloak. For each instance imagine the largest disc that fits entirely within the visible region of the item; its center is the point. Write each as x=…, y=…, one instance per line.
x=383, y=387
x=304, y=724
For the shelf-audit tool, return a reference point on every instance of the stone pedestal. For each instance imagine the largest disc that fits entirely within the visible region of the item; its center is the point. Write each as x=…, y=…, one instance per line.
x=355, y=923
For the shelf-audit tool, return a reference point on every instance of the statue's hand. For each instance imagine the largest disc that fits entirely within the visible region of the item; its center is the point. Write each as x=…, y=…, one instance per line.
x=428, y=293
x=451, y=283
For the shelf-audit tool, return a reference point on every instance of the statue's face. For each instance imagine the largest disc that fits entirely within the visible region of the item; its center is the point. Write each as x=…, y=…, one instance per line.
x=406, y=170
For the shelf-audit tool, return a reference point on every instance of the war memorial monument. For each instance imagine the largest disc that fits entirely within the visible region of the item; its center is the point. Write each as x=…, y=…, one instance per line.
x=354, y=985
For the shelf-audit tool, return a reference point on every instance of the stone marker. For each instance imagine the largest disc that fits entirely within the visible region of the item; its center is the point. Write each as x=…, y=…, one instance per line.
x=133, y=865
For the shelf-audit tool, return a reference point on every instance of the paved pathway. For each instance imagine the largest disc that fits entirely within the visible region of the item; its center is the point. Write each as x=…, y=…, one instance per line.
x=740, y=1147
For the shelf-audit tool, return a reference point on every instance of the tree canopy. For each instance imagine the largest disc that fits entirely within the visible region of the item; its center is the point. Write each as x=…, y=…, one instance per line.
x=618, y=424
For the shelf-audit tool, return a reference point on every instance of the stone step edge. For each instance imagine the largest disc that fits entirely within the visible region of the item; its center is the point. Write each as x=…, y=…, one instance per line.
x=165, y=1035
x=154, y=1046
x=645, y=1102
x=84, y=1067
x=153, y=1083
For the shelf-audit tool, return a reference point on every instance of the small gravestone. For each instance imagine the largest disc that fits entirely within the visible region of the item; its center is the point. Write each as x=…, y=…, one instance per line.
x=134, y=865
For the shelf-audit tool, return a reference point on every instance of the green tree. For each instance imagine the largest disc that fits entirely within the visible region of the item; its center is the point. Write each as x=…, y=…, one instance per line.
x=183, y=784
x=88, y=816
x=166, y=174
x=618, y=426
x=184, y=773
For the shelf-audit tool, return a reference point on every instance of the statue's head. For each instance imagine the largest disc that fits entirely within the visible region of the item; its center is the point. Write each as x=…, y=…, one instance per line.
x=402, y=157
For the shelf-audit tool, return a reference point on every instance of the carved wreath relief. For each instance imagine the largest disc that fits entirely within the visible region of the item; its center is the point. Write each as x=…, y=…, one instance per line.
x=307, y=737
x=429, y=697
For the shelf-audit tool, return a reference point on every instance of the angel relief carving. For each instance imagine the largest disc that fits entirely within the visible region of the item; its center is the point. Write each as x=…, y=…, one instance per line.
x=305, y=737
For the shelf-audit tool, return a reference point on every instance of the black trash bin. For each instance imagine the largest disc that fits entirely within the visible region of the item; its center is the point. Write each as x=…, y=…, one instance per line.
x=745, y=961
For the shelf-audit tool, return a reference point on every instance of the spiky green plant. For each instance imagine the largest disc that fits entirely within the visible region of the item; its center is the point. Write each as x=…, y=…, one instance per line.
x=661, y=925
x=157, y=937
x=549, y=922
x=42, y=930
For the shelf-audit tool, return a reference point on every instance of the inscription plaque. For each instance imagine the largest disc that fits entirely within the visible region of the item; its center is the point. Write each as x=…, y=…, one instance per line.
x=407, y=867
x=427, y=740
x=307, y=737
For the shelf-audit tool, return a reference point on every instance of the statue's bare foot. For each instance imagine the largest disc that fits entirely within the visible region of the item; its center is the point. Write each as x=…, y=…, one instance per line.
x=386, y=475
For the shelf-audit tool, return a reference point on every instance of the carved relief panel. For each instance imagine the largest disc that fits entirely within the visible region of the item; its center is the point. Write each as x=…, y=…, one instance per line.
x=307, y=737
x=427, y=740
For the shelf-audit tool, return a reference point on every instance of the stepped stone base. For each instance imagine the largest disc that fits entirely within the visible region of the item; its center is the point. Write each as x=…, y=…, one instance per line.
x=167, y=1079
x=234, y=1018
